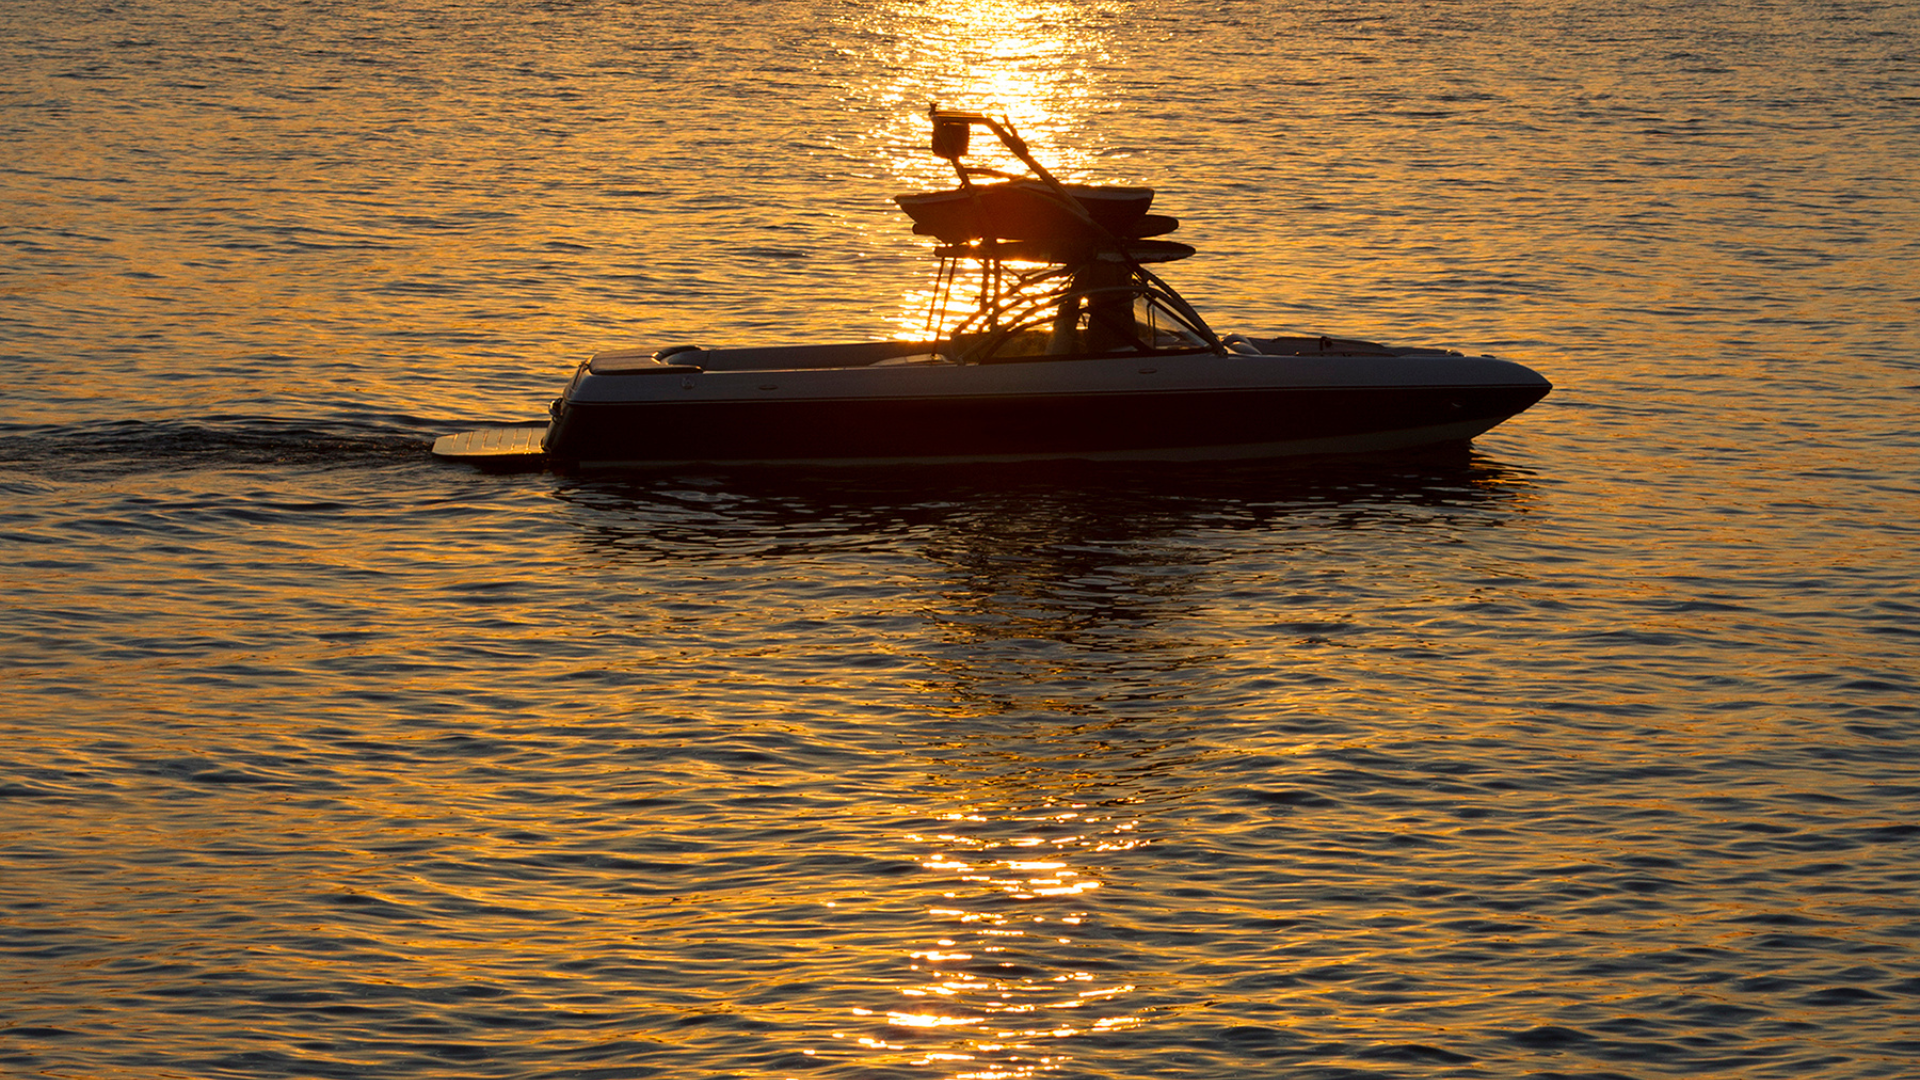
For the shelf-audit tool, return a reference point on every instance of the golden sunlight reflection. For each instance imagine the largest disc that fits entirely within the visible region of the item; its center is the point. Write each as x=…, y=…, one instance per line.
x=1009, y=980
x=1039, y=63
x=1036, y=62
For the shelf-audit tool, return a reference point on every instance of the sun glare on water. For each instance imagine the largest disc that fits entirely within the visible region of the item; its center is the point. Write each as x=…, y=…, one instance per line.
x=1000, y=994
x=1039, y=64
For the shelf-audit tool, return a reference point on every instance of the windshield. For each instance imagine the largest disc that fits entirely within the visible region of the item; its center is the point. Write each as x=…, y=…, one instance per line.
x=1097, y=313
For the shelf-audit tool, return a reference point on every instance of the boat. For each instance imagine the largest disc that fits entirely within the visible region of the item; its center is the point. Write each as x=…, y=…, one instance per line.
x=1050, y=339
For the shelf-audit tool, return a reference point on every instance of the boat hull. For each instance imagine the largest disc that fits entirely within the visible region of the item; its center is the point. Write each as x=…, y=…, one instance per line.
x=1216, y=408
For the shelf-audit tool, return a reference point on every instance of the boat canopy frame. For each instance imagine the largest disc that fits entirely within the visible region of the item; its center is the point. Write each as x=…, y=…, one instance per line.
x=1090, y=309
x=1086, y=278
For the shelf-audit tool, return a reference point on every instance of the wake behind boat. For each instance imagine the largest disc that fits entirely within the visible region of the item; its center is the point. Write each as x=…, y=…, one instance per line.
x=1068, y=347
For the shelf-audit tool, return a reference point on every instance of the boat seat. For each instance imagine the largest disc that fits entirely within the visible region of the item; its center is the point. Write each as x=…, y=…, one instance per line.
x=644, y=362
x=1241, y=345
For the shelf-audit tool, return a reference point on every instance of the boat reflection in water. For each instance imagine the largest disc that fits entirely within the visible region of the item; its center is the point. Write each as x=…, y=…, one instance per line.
x=1047, y=692
x=1069, y=347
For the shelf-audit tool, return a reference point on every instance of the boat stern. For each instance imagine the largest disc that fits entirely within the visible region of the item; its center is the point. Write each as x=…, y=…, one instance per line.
x=518, y=445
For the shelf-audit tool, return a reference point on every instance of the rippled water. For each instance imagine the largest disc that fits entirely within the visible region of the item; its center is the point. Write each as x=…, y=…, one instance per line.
x=1590, y=753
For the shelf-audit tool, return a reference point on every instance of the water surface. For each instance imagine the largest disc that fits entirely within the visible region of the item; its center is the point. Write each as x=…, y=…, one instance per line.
x=1590, y=752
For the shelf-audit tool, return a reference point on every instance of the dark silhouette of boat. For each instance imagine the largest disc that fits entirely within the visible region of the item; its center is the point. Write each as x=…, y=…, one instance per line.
x=1065, y=346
